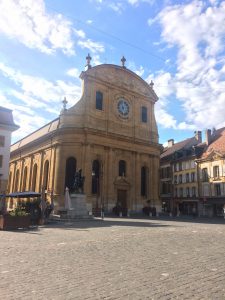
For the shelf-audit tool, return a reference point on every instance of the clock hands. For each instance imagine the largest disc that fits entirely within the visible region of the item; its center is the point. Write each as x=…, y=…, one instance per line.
x=123, y=107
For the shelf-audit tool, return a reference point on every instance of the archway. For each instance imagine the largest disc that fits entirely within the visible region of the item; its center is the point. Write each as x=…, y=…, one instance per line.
x=16, y=188
x=24, y=179
x=45, y=178
x=34, y=178
x=71, y=164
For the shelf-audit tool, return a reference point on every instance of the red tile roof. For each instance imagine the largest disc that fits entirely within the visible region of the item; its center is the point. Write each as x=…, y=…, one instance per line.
x=217, y=143
x=178, y=146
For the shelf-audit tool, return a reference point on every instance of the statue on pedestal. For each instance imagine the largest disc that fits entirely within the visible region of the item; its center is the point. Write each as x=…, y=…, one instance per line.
x=78, y=186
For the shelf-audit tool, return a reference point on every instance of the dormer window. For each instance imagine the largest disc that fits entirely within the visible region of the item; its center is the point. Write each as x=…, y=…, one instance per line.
x=99, y=101
x=144, y=116
x=216, y=172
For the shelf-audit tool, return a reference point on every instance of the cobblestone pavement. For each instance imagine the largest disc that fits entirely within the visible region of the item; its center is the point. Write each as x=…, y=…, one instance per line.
x=114, y=259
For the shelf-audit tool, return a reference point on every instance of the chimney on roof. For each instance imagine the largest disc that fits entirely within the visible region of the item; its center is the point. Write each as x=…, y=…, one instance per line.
x=208, y=136
x=198, y=136
x=170, y=143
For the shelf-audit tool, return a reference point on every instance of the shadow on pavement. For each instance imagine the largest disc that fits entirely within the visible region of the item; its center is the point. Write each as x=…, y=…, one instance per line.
x=95, y=223
x=107, y=222
x=136, y=221
x=190, y=219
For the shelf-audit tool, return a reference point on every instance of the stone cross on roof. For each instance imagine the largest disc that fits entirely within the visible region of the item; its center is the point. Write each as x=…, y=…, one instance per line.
x=123, y=60
x=88, y=59
x=64, y=103
x=151, y=84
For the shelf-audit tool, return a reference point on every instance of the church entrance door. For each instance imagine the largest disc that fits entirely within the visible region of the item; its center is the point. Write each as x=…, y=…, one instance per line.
x=122, y=201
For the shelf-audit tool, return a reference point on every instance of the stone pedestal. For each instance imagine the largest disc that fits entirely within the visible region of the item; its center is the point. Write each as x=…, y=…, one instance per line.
x=78, y=208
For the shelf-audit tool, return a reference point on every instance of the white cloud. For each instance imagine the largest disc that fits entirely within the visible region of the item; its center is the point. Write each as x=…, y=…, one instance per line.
x=35, y=96
x=94, y=47
x=40, y=88
x=96, y=60
x=117, y=7
x=199, y=83
x=30, y=24
x=140, y=71
x=151, y=21
x=73, y=72
x=80, y=33
x=163, y=87
x=137, y=2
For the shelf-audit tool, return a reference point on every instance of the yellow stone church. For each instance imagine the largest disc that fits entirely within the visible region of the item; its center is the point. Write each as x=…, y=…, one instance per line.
x=110, y=133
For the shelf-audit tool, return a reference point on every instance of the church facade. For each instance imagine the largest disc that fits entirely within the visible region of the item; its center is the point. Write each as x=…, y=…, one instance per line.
x=110, y=133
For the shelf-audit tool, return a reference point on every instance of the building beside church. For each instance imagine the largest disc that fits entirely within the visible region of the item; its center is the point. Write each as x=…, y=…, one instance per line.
x=179, y=175
x=110, y=133
x=211, y=169
x=192, y=175
x=7, y=126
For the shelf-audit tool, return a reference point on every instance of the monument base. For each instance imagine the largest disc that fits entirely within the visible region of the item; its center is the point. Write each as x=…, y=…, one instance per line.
x=78, y=208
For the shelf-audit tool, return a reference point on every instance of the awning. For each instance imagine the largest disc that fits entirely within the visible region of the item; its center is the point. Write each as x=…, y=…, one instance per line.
x=29, y=194
x=215, y=201
x=189, y=200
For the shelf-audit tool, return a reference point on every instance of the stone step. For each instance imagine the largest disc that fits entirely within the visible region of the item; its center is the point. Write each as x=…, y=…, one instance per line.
x=57, y=218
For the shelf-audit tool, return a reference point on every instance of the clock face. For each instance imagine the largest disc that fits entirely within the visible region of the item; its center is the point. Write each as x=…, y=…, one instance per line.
x=123, y=107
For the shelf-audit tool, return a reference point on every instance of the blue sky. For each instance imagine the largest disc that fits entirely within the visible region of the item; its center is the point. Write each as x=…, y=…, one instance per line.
x=180, y=45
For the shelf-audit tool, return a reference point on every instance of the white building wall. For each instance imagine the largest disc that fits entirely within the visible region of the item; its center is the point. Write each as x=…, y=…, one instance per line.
x=5, y=152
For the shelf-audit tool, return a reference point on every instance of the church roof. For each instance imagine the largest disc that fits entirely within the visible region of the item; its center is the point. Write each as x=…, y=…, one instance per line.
x=114, y=74
x=41, y=132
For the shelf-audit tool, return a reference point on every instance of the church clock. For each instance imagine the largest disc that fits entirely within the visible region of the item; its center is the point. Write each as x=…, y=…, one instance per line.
x=123, y=107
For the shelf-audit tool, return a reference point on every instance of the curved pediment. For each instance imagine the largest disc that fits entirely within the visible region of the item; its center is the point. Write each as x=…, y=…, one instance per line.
x=213, y=155
x=122, y=78
x=121, y=181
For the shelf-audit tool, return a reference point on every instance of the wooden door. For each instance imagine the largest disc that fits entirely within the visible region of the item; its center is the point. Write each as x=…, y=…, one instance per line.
x=122, y=201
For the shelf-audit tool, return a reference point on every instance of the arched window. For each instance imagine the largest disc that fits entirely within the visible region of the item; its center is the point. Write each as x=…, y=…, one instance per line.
x=99, y=100
x=122, y=168
x=16, y=188
x=71, y=165
x=10, y=182
x=144, y=114
x=34, y=178
x=144, y=181
x=45, y=178
x=95, y=177
x=24, y=179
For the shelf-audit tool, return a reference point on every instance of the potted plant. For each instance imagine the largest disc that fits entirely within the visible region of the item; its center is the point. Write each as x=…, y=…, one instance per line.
x=17, y=218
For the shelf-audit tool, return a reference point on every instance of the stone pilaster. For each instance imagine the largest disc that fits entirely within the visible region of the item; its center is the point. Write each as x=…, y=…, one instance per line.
x=21, y=175
x=110, y=177
x=41, y=174
x=86, y=167
x=57, y=186
x=30, y=171
x=136, y=182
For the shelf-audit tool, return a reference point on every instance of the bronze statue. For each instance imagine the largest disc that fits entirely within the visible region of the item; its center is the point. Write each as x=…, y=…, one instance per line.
x=78, y=186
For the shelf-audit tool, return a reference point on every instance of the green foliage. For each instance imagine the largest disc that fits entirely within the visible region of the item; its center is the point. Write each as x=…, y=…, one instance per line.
x=18, y=211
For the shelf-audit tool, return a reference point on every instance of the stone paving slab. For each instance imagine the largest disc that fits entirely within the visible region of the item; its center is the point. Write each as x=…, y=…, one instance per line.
x=114, y=259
